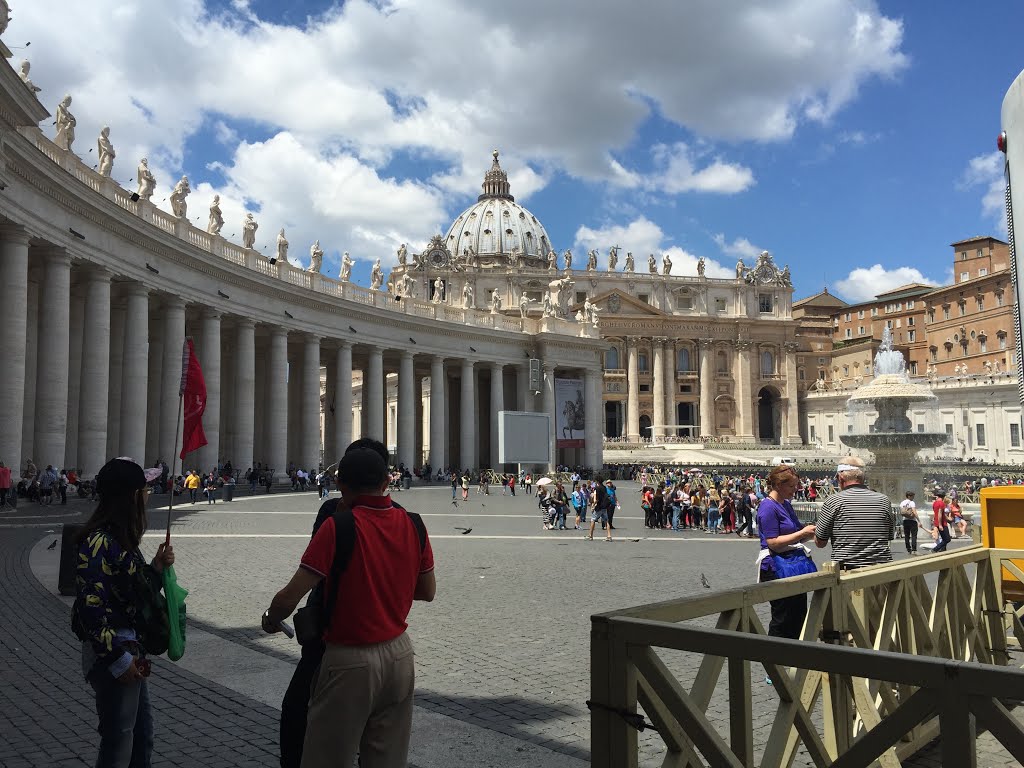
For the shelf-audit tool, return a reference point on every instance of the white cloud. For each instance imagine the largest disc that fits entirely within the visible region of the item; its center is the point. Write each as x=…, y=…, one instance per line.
x=863, y=284
x=449, y=80
x=986, y=172
x=643, y=237
x=740, y=247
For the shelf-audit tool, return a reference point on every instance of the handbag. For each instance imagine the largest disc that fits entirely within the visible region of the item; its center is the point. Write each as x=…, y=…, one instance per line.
x=797, y=564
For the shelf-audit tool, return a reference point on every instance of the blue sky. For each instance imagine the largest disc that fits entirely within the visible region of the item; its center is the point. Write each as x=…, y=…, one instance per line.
x=854, y=140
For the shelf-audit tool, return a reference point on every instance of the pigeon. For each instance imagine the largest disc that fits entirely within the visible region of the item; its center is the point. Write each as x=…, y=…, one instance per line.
x=455, y=503
x=463, y=530
x=704, y=582
x=53, y=545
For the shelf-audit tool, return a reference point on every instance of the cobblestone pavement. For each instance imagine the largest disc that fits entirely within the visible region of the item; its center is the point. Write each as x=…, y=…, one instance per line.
x=505, y=646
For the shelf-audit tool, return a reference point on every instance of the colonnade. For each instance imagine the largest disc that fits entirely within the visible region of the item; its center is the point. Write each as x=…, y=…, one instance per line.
x=93, y=363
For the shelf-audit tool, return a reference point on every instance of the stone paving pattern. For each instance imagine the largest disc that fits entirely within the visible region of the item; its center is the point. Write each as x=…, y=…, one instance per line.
x=505, y=645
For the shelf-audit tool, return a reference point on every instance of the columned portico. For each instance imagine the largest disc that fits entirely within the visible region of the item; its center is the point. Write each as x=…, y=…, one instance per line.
x=135, y=366
x=245, y=394
x=658, y=416
x=343, y=400
x=744, y=398
x=52, y=374
x=707, y=398
x=467, y=417
x=309, y=440
x=276, y=406
x=497, y=404
x=116, y=373
x=633, y=395
x=373, y=394
x=209, y=359
x=13, y=321
x=438, y=416
x=92, y=413
x=77, y=342
x=406, y=411
x=592, y=435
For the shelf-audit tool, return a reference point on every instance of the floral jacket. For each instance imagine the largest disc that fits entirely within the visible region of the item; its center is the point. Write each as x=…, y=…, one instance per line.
x=106, y=609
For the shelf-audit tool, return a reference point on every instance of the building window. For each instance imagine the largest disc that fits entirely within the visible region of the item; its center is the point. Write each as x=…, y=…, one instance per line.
x=684, y=301
x=831, y=434
x=645, y=298
x=846, y=371
x=581, y=296
x=999, y=298
x=910, y=322
x=964, y=277
x=963, y=255
x=982, y=272
x=813, y=436
x=765, y=303
x=931, y=315
x=611, y=358
x=911, y=335
x=962, y=307
x=719, y=305
x=949, y=434
x=913, y=367
x=983, y=344
x=860, y=330
x=1015, y=435
x=721, y=362
x=849, y=333
x=934, y=354
x=981, y=303
x=683, y=360
x=979, y=434
x=874, y=311
x=767, y=363
x=849, y=317
x=641, y=361
x=860, y=314
x=945, y=313
x=800, y=374
x=920, y=427
x=1002, y=341
x=645, y=387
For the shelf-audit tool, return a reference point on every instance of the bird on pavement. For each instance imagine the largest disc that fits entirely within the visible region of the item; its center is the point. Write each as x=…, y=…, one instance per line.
x=53, y=545
x=463, y=530
x=704, y=582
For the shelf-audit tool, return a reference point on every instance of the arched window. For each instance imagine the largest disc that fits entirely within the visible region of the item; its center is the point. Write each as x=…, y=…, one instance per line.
x=641, y=361
x=611, y=358
x=767, y=363
x=683, y=360
x=722, y=361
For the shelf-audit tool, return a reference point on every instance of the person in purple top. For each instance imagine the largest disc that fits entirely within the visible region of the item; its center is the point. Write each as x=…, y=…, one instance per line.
x=781, y=538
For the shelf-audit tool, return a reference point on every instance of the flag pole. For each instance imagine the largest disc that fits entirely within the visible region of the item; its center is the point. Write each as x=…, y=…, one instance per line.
x=177, y=437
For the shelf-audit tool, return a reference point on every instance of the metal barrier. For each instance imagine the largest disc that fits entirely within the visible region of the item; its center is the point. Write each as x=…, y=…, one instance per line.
x=891, y=661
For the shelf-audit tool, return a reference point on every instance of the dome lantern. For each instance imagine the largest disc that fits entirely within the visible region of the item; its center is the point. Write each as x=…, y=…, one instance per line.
x=496, y=182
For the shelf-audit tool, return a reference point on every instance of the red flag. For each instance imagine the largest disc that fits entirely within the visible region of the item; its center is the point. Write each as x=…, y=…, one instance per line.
x=193, y=392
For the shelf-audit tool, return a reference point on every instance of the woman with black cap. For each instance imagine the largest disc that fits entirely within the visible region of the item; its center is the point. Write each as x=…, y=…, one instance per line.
x=113, y=582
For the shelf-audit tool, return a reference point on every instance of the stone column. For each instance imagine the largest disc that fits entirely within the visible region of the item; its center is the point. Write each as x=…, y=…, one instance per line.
x=154, y=384
x=208, y=352
x=245, y=395
x=52, y=372
x=658, y=411
x=791, y=422
x=548, y=407
x=707, y=384
x=259, y=431
x=93, y=403
x=438, y=414
x=406, y=411
x=170, y=380
x=744, y=398
x=343, y=400
x=116, y=374
x=374, y=398
x=13, y=340
x=633, y=391
x=31, y=352
x=671, y=387
x=76, y=341
x=593, y=444
x=497, y=404
x=277, y=404
x=135, y=381
x=309, y=445
x=468, y=417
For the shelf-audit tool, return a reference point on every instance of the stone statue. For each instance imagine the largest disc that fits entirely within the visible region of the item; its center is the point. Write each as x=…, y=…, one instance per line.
x=524, y=305
x=590, y=310
x=592, y=260
x=346, y=268
x=216, y=221
x=564, y=292
x=178, y=205
x=567, y=256
x=495, y=302
x=282, y=247
x=438, y=296
x=652, y=264
x=613, y=258
x=547, y=308
x=316, y=256
x=552, y=260
x=376, y=276
x=580, y=316
x=785, y=279
x=819, y=384
x=407, y=286
x=988, y=366
x=467, y=296
x=66, y=122
x=701, y=266
x=740, y=269
x=963, y=369
x=105, y=152
x=470, y=257
x=513, y=257
x=146, y=179
x=956, y=370
x=666, y=265
x=630, y=264
x=402, y=254
x=249, y=227
x=996, y=366
x=25, y=67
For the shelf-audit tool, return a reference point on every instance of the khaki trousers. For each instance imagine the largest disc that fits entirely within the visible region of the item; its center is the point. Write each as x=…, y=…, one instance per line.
x=361, y=703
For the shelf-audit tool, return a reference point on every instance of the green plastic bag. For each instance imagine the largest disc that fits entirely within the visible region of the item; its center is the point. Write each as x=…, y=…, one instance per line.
x=175, y=594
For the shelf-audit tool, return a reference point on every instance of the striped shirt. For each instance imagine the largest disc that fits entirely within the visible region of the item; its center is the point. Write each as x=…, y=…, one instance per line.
x=858, y=522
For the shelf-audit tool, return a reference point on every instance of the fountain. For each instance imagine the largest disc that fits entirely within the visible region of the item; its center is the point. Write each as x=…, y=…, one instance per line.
x=891, y=437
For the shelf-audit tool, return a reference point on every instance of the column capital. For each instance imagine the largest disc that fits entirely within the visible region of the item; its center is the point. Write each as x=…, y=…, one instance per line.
x=54, y=254
x=130, y=289
x=310, y=338
x=791, y=346
x=437, y=359
x=632, y=341
x=171, y=301
x=94, y=273
x=407, y=354
x=705, y=343
x=211, y=313
x=496, y=366
x=743, y=345
x=245, y=322
x=660, y=341
x=13, y=233
x=346, y=344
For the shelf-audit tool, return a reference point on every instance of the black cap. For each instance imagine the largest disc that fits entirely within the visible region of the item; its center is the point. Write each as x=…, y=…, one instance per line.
x=119, y=476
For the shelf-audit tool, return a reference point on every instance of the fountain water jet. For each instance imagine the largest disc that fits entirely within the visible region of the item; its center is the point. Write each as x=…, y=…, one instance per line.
x=891, y=437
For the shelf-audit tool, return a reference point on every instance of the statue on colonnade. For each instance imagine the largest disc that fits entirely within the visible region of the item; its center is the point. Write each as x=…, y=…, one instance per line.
x=402, y=255
x=592, y=260
x=25, y=67
x=105, y=152
x=178, y=205
x=438, y=297
x=66, y=122
x=316, y=256
x=652, y=264
x=701, y=267
x=552, y=260
x=741, y=269
x=547, y=308
x=346, y=267
x=613, y=258
x=249, y=227
x=146, y=179
x=630, y=264
x=376, y=276
x=467, y=296
x=495, y=302
x=282, y=246
x=568, y=259
x=524, y=305
x=216, y=221
x=666, y=265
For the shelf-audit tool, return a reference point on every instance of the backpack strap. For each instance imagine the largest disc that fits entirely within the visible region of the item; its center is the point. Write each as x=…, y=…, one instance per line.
x=344, y=544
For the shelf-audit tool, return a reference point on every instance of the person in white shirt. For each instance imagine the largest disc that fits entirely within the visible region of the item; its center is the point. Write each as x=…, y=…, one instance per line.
x=908, y=509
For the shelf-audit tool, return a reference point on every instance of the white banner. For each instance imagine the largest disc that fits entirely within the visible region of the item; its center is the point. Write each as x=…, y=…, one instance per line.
x=569, y=413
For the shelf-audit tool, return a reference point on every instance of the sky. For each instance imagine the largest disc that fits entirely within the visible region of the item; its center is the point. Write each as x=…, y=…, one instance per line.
x=854, y=140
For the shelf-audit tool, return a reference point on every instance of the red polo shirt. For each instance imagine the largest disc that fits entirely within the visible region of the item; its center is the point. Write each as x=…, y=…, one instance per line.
x=376, y=590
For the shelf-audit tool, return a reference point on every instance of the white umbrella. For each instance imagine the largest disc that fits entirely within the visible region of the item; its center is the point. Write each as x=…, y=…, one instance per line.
x=544, y=481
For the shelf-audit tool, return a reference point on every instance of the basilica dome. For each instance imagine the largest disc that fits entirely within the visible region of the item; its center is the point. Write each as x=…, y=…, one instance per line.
x=496, y=223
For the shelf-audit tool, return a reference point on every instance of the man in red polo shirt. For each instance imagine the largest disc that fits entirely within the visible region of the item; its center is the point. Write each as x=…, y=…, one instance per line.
x=361, y=701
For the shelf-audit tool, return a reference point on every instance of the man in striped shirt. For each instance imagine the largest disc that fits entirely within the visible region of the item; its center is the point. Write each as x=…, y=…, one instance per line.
x=857, y=520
